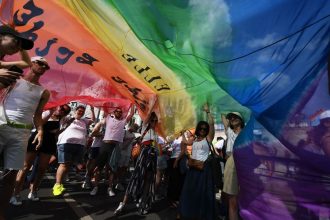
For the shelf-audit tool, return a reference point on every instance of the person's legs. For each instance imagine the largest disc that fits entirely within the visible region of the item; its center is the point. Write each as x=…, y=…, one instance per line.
x=20, y=178
x=13, y=142
x=62, y=171
x=43, y=165
x=6, y=191
x=111, y=183
x=233, y=207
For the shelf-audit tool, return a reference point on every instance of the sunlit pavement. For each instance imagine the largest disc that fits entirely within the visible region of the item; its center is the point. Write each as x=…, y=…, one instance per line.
x=76, y=203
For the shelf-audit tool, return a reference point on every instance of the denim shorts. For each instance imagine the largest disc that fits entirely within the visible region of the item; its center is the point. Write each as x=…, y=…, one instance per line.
x=70, y=153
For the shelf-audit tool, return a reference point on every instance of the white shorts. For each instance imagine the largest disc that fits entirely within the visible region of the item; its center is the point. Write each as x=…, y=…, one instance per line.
x=13, y=144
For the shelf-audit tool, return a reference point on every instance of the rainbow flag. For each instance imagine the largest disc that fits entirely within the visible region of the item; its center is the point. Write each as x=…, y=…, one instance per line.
x=264, y=59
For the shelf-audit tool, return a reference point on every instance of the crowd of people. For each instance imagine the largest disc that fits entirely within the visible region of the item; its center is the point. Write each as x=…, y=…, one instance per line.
x=31, y=138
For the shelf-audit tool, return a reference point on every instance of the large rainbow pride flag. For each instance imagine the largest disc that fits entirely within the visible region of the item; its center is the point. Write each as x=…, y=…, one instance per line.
x=264, y=59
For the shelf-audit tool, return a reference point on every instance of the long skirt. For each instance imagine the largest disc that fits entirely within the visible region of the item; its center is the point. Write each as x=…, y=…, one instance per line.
x=175, y=183
x=198, y=195
x=142, y=183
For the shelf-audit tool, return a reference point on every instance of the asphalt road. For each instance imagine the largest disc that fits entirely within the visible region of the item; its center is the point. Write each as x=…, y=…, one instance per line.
x=76, y=203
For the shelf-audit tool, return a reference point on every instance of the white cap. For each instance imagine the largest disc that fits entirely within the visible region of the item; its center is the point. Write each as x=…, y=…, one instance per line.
x=325, y=114
x=235, y=113
x=39, y=58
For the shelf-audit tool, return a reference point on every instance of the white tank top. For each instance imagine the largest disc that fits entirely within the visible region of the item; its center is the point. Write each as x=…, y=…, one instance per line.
x=22, y=101
x=114, y=129
x=200, y=150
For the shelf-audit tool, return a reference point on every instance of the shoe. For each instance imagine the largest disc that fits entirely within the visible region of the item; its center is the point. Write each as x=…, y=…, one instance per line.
x=143, y=211
x=120, y=208
x=159, y=197
x=86, y=185
x=111, y=192
x=58, y=189
x=33, y=196
x=120, y=187
x=16, y=200
x=94, y=191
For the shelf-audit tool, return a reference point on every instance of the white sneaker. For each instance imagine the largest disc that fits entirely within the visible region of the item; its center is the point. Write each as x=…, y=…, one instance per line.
x=94, y=191
x=33, y=196
x=120, y=208
x=111, y=192
x=16, y=200
x=120, y=187
x=86, y=185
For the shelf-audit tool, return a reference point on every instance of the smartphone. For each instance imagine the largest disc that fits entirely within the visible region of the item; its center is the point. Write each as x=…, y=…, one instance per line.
x=16, y=69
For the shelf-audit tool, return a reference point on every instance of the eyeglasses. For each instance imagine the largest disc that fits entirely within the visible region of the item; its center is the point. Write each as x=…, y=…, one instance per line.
x=42, y=64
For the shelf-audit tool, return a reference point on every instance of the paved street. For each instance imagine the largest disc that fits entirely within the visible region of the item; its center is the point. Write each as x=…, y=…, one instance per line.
x=78, y=204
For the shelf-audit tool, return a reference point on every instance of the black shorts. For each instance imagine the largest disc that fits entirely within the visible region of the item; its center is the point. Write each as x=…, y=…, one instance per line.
x=48, y=145
x=105, y=153
x=93, y=153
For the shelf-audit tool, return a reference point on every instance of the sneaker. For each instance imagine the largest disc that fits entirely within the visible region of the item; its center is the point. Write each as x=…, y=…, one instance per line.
x=33, y=196
x=86, y=185
x=120, y=187
x=111, y=192
x=94, y=191
x=16, y=200
x=120, y=208
x=143, y=211
x=159, y=197
x=58, y=189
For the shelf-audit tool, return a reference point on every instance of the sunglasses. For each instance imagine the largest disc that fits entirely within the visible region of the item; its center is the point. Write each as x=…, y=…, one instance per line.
x=63, y=109
x=42, y=64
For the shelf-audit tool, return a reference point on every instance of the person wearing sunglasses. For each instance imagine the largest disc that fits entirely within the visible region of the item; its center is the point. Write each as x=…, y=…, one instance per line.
x=233, y=123
x=141, y=186
x=24, y=101
x=113, y=136
x=52, y=120
x=197, y=199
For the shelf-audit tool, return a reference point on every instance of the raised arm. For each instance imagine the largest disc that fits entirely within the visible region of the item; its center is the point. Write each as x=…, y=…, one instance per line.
x=97, y=128
x=23, y=63
x=93, y=116
x=46, y=117
x=210, y=136
x=225, y=121
x=131, y=113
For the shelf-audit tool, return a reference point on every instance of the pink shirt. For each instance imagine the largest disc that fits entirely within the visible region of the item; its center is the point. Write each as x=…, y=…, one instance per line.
x=114, y=129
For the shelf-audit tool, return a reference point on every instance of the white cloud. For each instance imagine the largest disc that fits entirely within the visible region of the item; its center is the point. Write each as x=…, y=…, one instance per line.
x=213, y=22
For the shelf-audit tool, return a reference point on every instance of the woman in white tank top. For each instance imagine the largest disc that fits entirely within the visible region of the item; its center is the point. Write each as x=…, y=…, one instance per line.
x=198, y=196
